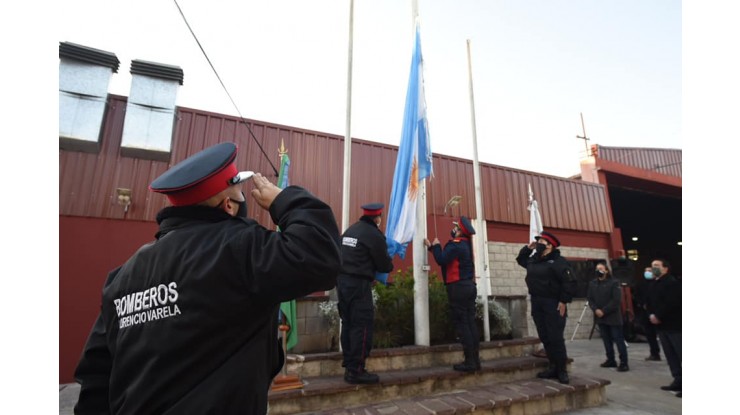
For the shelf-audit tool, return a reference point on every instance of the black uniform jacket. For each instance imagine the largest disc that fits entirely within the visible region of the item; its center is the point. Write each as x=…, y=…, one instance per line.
x=188, y=325
x=550, y=276
x=456, y=260
x=364, y=251
x=664, y=300
x=606, y=295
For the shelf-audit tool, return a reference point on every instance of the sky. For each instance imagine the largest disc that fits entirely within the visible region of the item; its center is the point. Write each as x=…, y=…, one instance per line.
x=536, y=66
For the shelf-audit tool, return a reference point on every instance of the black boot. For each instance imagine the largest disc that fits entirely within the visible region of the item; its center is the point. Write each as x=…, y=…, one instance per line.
x=563, y=377
x=561, y=367
x=360, y=376
x=471, y=363
x=550, y=373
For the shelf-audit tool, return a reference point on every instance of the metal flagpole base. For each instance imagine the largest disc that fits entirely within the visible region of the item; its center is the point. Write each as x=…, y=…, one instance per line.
x=284, y=381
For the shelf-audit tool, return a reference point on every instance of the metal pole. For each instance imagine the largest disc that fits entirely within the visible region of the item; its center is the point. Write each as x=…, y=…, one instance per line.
x=347, y=137
x=348, y=129
x=421, y=268
x=479, y=208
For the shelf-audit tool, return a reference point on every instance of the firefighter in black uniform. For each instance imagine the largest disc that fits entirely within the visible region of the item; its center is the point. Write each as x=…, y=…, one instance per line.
x=364, y=253
x=551, y=285
x=458, y=272
x=189, y=323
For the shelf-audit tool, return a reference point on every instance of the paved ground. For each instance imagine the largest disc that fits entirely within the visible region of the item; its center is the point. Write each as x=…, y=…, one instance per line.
x=636, y=392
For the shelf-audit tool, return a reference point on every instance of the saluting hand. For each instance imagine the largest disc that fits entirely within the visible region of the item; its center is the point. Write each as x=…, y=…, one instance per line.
x=264, y=191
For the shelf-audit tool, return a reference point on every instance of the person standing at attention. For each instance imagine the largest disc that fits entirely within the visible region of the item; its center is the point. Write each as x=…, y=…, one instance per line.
x=664, y=308
x=551, y=285
x=605, y=299
x=364, y=253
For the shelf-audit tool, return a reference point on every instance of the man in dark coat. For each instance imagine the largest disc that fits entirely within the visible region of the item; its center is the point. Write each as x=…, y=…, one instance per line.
x=605, y=300
x=641, y=298
x=189, y=323
x=458, y=272
x=364, y=253
x=551, y=285
x=664, y=308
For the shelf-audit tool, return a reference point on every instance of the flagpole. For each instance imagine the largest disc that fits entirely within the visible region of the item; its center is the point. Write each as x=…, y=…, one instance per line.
x=348, y=129
x=480, y=267
x=347, y=138
x=421, y=268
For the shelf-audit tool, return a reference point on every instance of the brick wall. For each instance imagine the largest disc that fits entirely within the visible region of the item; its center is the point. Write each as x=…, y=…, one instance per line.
x=313, y=329
x=507, y=282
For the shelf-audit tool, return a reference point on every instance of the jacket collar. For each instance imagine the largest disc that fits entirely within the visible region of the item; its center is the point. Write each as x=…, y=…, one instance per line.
x=173, y=217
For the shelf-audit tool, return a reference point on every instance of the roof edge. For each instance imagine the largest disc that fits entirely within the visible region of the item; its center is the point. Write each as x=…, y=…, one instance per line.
x=69, y=50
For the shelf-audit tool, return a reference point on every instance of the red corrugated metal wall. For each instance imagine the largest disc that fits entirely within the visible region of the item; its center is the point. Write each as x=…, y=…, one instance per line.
x=88, y=182
x=89, y=248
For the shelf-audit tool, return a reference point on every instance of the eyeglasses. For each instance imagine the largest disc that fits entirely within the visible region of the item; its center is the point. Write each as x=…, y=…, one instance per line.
x=233, y=200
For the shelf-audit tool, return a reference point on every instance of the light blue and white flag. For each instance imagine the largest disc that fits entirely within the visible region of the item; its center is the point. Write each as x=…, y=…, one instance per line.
x=414, y=162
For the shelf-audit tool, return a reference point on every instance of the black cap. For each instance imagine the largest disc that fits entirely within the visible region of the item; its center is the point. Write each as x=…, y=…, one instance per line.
x=200, y=176
x=465, y=226
x=549, y=238
x=372, y=209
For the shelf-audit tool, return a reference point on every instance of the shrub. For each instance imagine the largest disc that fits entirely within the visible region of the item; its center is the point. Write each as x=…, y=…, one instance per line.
x=394, y=314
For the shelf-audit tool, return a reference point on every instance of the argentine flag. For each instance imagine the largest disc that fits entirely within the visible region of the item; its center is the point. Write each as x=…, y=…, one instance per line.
x=414, y=161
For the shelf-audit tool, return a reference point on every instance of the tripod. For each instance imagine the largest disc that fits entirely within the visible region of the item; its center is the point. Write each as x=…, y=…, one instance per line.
x=578, y=324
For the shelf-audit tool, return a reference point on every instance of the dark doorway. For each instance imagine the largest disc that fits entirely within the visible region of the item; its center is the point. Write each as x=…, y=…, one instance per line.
x=655, y=221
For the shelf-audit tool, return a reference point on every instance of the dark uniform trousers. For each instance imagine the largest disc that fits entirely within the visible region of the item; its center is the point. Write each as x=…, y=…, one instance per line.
x=461, y=296
x=357, y=313
x=652, y=335
x=550, y=326
x=671, y=341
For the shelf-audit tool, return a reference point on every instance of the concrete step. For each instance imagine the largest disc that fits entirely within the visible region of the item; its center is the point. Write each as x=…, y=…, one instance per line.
x=526, y=397
x=408, y=357
x=322, y=392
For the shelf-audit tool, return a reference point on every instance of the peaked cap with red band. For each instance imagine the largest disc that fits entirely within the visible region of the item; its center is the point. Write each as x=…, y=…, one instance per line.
x=465, y=226
x=549, y=238
x=372, y=209
x=200, y=176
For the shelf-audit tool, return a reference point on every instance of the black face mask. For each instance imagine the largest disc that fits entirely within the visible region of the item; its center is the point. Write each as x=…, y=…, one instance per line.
x=600, y=274
x=656, y=272
x=453, y=233
x=540, y=248
x=242, y=212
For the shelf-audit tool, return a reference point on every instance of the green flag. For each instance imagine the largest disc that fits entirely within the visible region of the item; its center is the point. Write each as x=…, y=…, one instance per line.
x=288, y=308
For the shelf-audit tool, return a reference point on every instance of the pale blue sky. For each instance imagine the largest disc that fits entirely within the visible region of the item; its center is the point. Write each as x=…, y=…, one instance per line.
x=536, y=66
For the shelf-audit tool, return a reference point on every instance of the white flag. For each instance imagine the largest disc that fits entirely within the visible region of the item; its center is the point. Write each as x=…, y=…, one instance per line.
x=535, y=221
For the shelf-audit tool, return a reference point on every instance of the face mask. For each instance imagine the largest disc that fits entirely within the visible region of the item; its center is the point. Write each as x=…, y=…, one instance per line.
x=600, y=273
x=453, y=233
x=656, y=272
x=540, y=248
x=242, y=211
x=648, y=275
